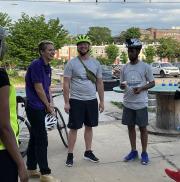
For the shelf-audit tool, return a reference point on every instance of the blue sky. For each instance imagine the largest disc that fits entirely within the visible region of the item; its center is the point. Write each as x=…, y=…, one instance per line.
x=79, y=15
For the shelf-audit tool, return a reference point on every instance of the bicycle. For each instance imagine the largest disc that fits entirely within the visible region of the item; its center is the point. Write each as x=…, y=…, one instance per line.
x=25, y=128
x=24, y=125
x=61, y=125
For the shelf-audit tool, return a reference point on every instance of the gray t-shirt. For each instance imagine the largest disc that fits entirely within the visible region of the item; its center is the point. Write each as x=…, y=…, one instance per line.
x=81, y=87
x=136, y=75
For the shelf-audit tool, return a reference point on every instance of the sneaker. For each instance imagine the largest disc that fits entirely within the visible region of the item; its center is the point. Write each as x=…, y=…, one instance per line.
x=69, y=161
x=144, y=158
x=131, y=156
x=88, y=155
x=33, y=173
x=175, y=175
x=48, y=178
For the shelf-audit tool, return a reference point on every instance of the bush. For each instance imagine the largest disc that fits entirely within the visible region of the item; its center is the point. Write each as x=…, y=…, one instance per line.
x=12, y=73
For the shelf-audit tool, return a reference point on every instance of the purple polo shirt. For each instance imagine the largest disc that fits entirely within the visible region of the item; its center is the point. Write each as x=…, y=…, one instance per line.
x=37, y=72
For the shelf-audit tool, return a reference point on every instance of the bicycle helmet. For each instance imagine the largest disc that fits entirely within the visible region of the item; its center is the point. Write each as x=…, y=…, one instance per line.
x=133, y=43
x=50, y=121
x=2, y=42
x=83, y=38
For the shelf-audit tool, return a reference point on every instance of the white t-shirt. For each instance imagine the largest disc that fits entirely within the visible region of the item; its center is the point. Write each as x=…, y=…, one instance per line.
x=136, y=75
x=81, y=87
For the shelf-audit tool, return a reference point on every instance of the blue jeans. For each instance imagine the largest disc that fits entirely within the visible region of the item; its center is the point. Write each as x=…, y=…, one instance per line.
x=38, y=143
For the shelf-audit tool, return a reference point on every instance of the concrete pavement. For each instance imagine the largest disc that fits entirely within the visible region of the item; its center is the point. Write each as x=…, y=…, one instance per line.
x=111, y=144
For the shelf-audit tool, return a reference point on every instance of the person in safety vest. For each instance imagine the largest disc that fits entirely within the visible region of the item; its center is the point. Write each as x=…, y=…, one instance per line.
x=11, y=162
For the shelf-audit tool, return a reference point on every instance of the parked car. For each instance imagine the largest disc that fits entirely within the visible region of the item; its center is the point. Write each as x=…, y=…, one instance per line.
x=108, y=78
x=164, y=69
x=177, y=64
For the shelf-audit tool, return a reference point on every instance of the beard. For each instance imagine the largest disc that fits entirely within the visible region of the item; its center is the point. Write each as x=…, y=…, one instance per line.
x=83, y=53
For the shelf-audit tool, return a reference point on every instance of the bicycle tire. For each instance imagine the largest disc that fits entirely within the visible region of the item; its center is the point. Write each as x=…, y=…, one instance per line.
x=24, y=135
x=61, y=127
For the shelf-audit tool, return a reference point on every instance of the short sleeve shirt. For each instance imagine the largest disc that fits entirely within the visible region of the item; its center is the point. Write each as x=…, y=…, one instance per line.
x=136, y=75
x=38, y=72
x=81, y=88
x=4, y=80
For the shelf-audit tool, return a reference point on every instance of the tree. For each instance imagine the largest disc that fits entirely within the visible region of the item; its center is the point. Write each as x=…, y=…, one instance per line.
x=100, y=35
x=132, y=32
x=149, y=52
x=168, y=48
x=28, y=31
x=112, y=52
x=103, y=60
x=146, y=39
x=124, y=57
x=5, y=20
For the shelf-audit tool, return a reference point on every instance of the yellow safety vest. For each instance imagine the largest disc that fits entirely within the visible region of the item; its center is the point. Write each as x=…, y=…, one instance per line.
x=13, y=114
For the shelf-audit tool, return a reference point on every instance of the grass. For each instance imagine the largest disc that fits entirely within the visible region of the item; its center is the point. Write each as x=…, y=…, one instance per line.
x=19, y=81
x=117, y=104
x=120, y=106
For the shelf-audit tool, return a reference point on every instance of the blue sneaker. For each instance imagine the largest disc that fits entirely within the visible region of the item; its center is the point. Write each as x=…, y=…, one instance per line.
x=144, y=158
x=131, y=156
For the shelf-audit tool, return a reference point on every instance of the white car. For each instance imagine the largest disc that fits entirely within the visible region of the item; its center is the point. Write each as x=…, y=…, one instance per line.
x=164, y=69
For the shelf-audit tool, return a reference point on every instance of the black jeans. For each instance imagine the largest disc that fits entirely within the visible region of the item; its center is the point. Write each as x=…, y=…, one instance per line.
x=8, y=168
x=38, y=143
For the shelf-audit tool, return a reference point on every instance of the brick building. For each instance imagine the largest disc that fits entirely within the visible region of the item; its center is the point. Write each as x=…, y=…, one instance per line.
x=155, y=34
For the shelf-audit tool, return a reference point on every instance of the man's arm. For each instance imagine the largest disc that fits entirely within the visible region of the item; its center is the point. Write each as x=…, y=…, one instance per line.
x=145, y=87
x=149, y=85
x=51, y=98
x=41, y=94
x=7, y=135
x=66, y=86
x=100, y=89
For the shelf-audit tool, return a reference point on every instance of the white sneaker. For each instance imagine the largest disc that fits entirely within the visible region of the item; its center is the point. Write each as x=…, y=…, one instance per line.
x=48, y=178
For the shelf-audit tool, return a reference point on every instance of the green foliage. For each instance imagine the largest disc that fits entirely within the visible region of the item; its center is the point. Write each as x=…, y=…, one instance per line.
x=55, y=63
x=104, y=61
x=168, y=48
x=112, y=52
x=12, y=73
x=147, y=40
x=28, y=31
x=17, y=80
x=100, y=35
x=132, y=32
x=124, y=57
x=5, y=20
x=149, y=52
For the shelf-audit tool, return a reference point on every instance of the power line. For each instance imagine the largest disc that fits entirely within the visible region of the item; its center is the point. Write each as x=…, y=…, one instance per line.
x=96, y=1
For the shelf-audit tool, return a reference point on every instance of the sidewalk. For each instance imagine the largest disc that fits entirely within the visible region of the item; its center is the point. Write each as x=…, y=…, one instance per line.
x=111, y=144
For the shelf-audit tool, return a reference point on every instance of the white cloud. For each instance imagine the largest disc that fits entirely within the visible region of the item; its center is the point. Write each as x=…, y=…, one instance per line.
x=77, y=17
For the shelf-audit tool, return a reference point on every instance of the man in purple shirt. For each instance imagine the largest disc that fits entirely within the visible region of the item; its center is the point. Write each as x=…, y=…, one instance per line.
x=39, y=103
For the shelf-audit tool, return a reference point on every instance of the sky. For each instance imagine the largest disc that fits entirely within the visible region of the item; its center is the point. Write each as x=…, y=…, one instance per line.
x=79, y=15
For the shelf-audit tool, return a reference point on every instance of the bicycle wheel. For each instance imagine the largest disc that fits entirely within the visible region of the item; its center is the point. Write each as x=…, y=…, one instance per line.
x=61, y=126
x=24, y=135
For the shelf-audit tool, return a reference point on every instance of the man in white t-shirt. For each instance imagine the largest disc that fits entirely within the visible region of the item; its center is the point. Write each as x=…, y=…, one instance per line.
x=136, y=79
x=80, y=97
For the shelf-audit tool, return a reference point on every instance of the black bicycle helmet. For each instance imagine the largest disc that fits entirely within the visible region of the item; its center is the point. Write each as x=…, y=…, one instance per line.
x=133, y=43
